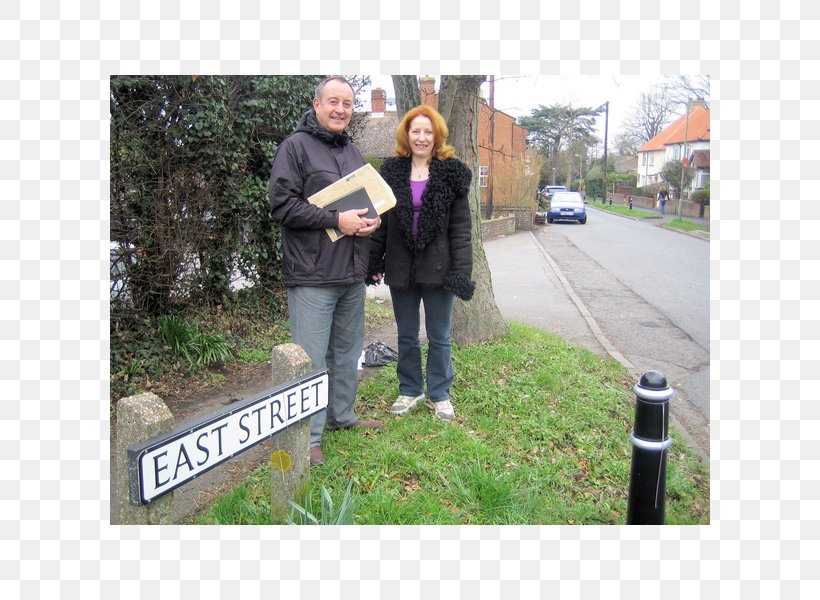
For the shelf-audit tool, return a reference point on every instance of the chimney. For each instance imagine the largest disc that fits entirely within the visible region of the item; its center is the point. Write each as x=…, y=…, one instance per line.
x=378, y=98
x=427, y=89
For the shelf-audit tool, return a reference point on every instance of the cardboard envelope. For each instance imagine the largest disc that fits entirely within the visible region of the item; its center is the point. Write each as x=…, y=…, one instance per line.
x=363, y=188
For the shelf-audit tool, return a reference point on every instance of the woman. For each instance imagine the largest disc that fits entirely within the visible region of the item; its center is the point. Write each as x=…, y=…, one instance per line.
x=424, y=253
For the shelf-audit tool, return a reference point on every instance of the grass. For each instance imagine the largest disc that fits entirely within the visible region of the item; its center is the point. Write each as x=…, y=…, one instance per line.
x=624, y=210
x=685, y=225
x=676, y=223
x=541, y=437
x=147, y=352
x=377, y=311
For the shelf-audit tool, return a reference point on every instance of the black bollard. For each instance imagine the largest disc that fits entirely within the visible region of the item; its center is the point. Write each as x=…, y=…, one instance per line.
x=650, y=442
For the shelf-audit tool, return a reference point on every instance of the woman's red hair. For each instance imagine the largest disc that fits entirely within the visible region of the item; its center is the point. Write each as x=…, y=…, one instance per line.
x=441, y=150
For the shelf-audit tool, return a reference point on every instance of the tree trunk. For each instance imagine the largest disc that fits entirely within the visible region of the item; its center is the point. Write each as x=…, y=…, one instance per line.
x=479, y=319
x=407, y=93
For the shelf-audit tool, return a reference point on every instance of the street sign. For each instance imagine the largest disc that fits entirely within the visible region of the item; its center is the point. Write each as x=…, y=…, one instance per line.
x=165, y=462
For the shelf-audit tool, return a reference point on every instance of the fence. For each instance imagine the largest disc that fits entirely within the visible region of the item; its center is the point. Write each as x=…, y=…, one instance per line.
x=688, y=209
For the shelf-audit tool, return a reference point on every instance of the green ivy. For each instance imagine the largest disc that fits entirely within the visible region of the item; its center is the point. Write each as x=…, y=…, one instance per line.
x=190, y=162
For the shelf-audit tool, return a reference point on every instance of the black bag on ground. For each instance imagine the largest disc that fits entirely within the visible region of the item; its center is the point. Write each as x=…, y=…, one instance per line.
x=378, y=354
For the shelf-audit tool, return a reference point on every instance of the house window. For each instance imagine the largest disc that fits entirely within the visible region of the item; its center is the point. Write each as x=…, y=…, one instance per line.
x=482, y=176
x=652, y=159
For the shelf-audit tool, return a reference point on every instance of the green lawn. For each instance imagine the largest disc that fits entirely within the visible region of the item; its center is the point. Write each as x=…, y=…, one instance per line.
x=685, y=225
x=682, y=223
x=541, y=437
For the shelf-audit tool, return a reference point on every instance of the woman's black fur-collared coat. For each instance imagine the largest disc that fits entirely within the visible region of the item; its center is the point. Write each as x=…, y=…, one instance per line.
x=441, y=255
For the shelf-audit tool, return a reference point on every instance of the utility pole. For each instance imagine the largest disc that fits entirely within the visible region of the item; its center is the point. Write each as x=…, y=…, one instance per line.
x=489, y=214
x=683, y=162
x=606, y=132
x=568, y=182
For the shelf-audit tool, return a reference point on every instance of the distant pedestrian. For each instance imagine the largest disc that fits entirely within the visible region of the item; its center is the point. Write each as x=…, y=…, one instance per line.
x=663, y=196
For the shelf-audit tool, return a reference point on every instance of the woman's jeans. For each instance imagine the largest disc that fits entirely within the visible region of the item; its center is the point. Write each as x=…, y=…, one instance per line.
x=328, y=323
x=438, y=311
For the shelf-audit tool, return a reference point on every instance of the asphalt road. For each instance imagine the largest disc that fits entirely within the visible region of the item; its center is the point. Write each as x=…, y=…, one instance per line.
x=618, y=286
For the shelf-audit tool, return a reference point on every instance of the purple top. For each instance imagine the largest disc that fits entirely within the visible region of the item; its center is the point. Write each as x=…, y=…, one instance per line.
x=417, y=189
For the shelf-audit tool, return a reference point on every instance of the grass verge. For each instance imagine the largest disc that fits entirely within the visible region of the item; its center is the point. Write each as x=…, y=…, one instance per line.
x=541, y=437
x=681, y=224
x=685, y=225
x=625, y=210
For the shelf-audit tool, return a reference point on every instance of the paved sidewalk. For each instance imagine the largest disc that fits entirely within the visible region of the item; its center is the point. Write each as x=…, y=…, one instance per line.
x=530, y=290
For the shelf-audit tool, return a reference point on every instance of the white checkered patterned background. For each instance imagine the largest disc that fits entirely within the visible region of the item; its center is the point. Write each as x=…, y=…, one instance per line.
x=765, y=297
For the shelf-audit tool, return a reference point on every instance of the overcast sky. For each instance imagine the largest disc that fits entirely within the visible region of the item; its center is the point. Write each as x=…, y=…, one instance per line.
x=518, y=95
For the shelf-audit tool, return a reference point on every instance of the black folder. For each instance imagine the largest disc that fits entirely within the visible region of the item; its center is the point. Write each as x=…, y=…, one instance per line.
x=358, y=198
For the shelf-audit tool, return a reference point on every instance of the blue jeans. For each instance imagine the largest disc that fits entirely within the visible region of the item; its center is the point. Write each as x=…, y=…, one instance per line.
x=438, y=312
x=328, y=323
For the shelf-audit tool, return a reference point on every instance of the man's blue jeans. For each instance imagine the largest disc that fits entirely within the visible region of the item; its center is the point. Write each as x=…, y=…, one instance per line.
x=328, y=323
x=438, y=312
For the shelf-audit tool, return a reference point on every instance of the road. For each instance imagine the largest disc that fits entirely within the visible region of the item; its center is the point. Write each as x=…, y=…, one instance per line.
x=616, y=285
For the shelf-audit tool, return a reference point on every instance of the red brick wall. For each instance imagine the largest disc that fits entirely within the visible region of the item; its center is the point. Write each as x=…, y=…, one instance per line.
x=491, y=230
x=509, y=139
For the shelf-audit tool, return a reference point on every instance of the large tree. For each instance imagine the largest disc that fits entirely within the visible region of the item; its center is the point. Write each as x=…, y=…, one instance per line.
x=479, y=319
x=407, y=91
x=683, y=88
x=560, y=132
x=650, y=114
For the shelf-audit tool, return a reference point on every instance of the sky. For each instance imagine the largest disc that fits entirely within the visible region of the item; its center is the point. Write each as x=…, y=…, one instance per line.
x=518, y=95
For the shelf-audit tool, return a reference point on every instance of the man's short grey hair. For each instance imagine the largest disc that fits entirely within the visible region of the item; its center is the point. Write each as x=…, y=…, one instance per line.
x=320, y=89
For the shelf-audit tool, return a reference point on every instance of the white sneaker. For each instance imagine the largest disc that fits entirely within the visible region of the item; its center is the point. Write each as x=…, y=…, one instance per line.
x=444, y=409
x=405, y=403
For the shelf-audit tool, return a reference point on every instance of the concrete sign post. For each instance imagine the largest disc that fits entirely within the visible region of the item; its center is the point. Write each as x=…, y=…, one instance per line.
x=138, y=418
x=165, y=462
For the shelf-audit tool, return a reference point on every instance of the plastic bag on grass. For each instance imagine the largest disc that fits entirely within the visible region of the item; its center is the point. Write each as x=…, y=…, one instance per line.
x=378, y=354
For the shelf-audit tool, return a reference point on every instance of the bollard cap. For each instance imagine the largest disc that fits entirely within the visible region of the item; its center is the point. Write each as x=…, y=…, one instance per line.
x=653, y=387
x=653, y=380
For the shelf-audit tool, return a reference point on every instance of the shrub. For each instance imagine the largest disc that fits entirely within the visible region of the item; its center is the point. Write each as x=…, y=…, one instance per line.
x=702, y=195
x=185, y=339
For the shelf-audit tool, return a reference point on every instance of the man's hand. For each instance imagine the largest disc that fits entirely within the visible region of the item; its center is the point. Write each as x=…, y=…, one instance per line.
x=351, y=222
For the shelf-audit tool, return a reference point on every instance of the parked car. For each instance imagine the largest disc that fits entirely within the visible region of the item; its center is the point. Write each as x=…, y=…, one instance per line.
x=544, y=201
x=567, y=206
x=552, y=189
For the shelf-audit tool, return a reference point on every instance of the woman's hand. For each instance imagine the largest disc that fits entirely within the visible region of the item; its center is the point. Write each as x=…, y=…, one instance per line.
x=370, y=225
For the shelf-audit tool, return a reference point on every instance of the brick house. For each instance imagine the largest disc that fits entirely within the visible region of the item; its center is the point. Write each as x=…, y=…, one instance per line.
x=377, y=136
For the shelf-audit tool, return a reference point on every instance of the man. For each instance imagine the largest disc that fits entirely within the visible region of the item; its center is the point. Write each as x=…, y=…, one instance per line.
x=325, y=280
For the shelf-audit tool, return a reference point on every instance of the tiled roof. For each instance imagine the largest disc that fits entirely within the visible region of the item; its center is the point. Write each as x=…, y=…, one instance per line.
x=698, y=130
x=378, y=136
x=700, y=159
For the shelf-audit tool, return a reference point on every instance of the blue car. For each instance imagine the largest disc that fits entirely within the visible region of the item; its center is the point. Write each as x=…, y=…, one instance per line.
x=567, y=206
